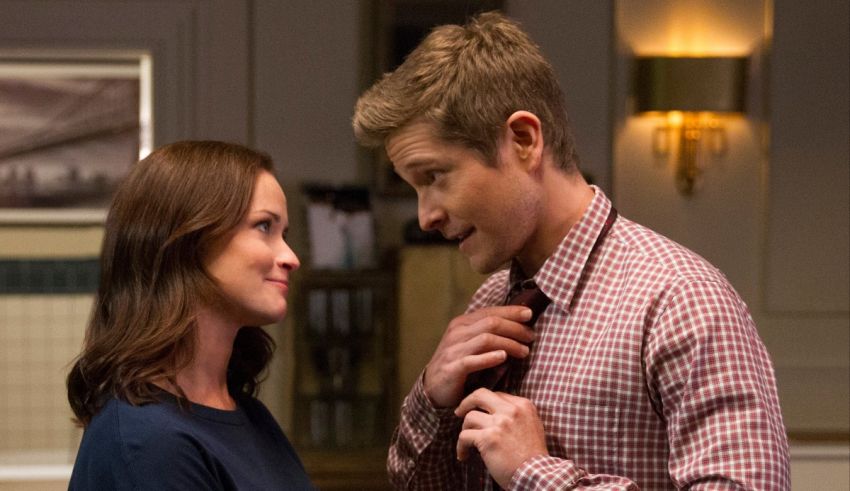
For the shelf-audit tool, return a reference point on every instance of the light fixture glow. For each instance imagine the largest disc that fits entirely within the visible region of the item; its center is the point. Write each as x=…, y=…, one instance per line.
x=694, y=94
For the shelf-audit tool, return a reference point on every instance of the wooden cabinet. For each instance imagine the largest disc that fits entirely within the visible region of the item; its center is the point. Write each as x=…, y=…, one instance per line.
x=344, y=390
x=435, y=285
x=361, y=339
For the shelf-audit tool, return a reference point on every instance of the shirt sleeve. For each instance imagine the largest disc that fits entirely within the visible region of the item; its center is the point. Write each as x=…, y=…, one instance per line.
x=712, y=381
x=422, y=452
x=551, y=473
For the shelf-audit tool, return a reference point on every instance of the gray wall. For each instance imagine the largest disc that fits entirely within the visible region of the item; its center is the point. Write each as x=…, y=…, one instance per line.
x=283, y=76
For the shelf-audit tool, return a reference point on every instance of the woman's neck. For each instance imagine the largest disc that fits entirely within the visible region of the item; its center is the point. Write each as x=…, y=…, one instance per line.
x=204, y=380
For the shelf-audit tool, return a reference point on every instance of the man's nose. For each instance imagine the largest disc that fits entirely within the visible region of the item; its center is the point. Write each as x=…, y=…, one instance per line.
x=431, y=217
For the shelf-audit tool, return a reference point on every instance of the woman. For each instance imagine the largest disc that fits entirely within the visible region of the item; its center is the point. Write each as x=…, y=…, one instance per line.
x=194, y=260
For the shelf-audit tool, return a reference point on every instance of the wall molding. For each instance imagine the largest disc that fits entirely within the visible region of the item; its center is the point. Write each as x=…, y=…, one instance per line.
x=200, y=51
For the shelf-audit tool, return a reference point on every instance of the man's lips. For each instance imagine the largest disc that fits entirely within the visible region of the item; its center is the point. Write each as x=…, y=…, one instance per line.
x=461, y=237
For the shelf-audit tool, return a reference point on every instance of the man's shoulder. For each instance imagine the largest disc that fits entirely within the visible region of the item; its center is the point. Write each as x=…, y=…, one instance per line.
x=678, y=280
x=651, y=253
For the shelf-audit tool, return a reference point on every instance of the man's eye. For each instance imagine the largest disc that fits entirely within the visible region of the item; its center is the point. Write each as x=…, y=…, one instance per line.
x=432, y=176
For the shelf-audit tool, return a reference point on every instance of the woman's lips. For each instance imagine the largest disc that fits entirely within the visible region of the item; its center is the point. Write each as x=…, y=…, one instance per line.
x=282, y=284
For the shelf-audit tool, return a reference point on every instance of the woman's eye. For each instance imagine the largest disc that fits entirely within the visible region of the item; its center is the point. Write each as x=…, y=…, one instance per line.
x=265, y=226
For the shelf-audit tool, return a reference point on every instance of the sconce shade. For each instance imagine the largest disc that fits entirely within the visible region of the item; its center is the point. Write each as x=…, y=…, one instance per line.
x=715, y=84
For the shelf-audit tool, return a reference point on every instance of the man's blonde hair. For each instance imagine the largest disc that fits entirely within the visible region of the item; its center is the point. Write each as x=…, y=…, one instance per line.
x=467, y=80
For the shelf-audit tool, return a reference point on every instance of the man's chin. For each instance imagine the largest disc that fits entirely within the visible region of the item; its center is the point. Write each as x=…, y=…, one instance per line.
x=487, y=265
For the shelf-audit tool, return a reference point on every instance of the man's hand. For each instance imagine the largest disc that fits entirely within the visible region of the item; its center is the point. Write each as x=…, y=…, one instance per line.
x=473, y=342
x=505, y=429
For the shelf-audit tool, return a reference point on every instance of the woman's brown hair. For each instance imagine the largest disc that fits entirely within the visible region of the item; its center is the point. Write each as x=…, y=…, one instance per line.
x=165, y=215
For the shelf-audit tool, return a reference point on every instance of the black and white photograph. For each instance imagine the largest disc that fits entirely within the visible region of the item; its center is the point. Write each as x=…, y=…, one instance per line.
x=68, y=133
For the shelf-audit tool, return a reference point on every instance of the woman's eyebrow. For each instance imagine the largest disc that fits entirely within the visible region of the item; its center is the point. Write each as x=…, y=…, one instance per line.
x=274, y=215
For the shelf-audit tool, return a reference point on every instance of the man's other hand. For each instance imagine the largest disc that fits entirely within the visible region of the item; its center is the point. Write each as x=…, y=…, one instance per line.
x=505, y=429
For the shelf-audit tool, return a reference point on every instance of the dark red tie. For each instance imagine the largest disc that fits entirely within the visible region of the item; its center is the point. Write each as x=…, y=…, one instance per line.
x=505, y=377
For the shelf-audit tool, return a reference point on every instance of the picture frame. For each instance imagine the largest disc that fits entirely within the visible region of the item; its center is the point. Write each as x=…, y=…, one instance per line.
x=73, y=124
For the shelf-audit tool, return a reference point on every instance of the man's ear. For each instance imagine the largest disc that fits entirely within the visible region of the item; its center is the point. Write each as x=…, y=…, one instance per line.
x=525, y=136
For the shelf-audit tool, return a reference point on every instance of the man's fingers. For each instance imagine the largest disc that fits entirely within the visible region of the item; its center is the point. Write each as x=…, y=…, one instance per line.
x=475, y=420
x=516, y=313
x=483, y=361
x=483, y=400
x=487, y=342
x=501, y=326
x=466, y=443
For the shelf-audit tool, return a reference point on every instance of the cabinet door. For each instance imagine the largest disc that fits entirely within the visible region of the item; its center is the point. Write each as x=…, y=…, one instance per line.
x=435, y=285
x=344, y=391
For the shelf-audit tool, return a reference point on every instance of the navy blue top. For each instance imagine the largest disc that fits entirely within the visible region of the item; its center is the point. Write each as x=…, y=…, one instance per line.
x=161, y=446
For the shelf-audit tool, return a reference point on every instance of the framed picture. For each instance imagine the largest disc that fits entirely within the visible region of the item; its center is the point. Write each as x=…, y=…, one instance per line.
x=70, y=129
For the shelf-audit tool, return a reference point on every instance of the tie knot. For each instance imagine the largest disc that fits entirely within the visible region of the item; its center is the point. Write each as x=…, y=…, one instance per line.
x=528, y=294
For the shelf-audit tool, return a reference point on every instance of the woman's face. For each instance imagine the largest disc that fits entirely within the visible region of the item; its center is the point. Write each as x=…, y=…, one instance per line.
x=253, y=263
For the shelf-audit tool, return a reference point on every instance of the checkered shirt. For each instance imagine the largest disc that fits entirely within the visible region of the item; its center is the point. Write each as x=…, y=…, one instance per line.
x=647, y=372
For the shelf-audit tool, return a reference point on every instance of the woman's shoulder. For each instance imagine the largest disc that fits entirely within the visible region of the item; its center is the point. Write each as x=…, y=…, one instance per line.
x=129, y=443
x=127, y=427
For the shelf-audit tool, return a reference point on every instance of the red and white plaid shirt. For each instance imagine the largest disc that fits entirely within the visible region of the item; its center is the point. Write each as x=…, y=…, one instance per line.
x=647, y=372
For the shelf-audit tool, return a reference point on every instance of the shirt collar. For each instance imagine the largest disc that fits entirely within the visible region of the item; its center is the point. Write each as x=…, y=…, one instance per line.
x=559, y=276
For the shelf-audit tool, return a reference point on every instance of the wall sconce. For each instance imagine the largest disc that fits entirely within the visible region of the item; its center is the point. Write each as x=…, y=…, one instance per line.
x=693, y=93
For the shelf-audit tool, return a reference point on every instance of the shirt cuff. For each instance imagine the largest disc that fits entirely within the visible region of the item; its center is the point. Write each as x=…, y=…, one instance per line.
x=546, y=472
x=419, y=408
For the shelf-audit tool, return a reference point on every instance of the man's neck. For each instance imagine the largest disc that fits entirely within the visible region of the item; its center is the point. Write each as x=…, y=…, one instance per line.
x=566, y=198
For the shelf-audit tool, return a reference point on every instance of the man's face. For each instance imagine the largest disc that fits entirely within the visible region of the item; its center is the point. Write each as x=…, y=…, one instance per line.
x=491, y=210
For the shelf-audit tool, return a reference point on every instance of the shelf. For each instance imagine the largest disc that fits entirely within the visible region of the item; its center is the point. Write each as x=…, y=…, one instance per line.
x=345, y=387
x=347, y=469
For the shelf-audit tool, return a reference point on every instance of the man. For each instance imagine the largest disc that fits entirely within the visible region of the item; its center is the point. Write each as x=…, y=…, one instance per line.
x=644, y=371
